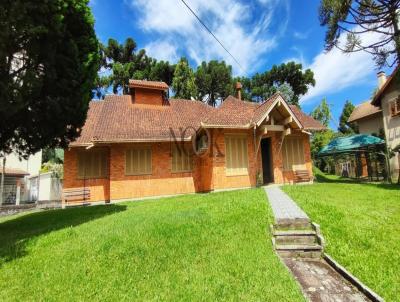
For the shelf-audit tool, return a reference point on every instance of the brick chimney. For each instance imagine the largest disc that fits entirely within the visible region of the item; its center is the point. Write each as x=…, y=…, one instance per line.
x=238, y=88
x=148, y=92
x=381, y=79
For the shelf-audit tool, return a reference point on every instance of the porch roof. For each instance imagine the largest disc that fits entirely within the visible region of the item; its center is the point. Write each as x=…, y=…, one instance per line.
x=351, y=144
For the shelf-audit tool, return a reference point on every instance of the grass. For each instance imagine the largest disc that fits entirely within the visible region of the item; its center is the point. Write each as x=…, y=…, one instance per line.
x=211, y=247
x=361, y=223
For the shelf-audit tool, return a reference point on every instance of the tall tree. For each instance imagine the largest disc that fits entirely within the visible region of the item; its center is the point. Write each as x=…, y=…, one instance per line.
x=357, y=17
x=344, y=126
x=214, y=81
x=125, y=62
x=183, y=82
x=49, y=58
x=322, y=113
x=265, y=84
x=162, y=71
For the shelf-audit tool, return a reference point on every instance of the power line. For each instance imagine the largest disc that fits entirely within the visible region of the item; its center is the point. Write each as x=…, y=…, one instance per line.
x=211, y=33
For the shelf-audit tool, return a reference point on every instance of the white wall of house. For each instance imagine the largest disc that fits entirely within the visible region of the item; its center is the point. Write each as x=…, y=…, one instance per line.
x=31, y=165
x=391, y=124
x=50, y=187
x=371, y=124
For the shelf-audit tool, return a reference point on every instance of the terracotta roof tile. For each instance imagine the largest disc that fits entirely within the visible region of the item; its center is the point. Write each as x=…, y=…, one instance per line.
x=148, y=84
x=117, y=119
x=232, y=112
x=363, y=110
x=308, y=122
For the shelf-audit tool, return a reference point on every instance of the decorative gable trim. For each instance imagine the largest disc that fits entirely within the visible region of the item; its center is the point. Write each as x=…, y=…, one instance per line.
x=278, y=102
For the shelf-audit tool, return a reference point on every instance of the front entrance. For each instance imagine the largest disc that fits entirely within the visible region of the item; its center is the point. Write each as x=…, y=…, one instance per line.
x=266, y=157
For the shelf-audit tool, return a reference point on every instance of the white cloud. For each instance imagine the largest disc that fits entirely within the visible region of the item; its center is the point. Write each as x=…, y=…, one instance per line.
x=335, y=70
x=162, y=50
x=230, y=20
x=301, y=35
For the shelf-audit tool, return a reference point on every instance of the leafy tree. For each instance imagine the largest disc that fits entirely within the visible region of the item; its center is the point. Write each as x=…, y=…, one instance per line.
x=49, y=58
x=214, y=81
x=162, y=71
x=266, y=84
x=344, y=126
x=322, y=113
x=287, y=91
x=357, y=17
x=183, y=82
x=124, y=62
x=246, y=87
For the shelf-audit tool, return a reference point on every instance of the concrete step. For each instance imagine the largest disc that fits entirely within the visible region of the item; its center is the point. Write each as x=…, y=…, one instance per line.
x=293, y=232
x=299, y=251
x=293, y=225
x=299, y=247
x=300, y=254
x=295, y=239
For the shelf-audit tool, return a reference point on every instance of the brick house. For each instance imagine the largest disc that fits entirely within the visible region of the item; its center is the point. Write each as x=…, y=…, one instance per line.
x=144, y=144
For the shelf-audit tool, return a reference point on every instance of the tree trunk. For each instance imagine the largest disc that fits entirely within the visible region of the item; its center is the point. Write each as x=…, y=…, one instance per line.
x=396, y=30
x=2, y=180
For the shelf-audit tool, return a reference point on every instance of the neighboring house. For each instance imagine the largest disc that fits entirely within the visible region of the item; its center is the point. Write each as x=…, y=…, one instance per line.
x=384, y=106
x=144, y=144
x=17, y=171
x=368, y=118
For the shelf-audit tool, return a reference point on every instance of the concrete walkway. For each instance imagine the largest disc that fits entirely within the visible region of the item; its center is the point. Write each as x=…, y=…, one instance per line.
x=319, y=281
x=283, y=207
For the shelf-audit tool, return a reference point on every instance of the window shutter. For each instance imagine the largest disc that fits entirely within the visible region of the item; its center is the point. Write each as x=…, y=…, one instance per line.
x=138, y=161
x=292, y=153
x=392, y=108
x=93, y=164
x=236, y=157
x=182, y=159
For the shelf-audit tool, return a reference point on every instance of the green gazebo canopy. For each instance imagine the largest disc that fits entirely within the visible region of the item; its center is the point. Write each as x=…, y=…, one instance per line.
x=348, y=144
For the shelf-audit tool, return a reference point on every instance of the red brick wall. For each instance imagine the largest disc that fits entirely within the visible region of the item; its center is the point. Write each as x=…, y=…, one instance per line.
x=208, y=173
x=147, y=96
x=221, y=180
x=99, y=188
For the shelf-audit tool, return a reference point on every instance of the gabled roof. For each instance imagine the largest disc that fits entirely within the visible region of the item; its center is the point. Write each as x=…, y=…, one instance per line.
x=117, y=119
x=236, y=113
x=363, y=110
x=377, y=98
x=148, y=84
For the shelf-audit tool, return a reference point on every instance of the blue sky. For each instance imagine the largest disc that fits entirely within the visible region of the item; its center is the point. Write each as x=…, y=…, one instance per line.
x=259, y=33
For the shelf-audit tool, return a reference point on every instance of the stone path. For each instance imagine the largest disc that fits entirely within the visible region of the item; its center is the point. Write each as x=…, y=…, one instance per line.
x=283, y=207
x=319, y=281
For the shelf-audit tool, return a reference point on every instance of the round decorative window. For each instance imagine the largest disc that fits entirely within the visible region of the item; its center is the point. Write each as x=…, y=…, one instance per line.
x=201, y=142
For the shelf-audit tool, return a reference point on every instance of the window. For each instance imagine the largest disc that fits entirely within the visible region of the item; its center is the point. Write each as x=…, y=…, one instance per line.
x=93, y=164
x=138, y=161
x=394, y=107
x=293, y=153
x=236, y=155
x=182, y=160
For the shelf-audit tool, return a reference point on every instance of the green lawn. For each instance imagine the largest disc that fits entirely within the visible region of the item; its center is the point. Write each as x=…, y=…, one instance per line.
x=361, y=223
x=192, y=248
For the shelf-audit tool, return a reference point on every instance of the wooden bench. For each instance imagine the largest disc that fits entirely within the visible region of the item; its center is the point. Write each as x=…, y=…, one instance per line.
x=76, y=195
x=302, y=176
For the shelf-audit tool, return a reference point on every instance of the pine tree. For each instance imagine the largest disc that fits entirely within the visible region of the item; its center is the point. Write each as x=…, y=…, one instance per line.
x=344, y=126
x=183, y=83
